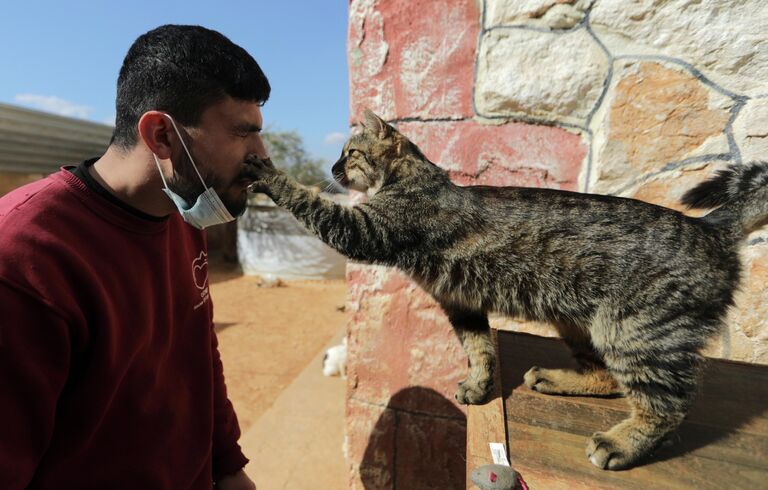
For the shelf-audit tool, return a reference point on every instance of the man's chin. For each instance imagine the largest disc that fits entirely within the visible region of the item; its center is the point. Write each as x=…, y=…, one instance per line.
x=236, y=207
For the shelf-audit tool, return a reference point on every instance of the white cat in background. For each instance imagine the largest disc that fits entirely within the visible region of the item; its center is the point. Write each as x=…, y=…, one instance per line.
x=335, y=360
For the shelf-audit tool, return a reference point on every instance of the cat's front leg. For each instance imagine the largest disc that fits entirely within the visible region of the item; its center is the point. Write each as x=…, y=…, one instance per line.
x=475, y=335
x=357, y=232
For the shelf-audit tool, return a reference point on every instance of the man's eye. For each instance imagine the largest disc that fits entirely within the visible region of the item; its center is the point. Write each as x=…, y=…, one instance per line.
x=245, y=131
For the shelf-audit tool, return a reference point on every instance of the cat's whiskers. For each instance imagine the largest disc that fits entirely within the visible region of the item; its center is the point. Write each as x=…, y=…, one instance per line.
x=330, y=185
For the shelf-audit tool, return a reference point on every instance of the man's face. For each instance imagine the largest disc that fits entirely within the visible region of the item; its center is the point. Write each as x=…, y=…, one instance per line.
x=226, y=135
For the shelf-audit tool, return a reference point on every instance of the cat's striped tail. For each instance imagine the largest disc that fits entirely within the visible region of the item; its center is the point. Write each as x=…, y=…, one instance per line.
x=740, y=191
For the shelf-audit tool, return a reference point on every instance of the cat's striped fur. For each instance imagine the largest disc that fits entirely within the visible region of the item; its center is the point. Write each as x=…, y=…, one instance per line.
x=635, y=289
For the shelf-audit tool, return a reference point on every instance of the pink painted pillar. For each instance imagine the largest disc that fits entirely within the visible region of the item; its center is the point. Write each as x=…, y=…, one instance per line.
x=413, y=64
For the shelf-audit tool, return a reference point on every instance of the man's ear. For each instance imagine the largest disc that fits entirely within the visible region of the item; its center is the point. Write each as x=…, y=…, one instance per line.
x=156, y=131
x=376, y=124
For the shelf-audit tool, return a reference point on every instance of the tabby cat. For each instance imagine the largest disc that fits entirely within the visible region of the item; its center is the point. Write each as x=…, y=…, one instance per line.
x=634, y=289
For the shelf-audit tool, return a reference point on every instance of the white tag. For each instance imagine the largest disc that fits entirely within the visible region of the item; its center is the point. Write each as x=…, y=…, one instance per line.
x=499, y=453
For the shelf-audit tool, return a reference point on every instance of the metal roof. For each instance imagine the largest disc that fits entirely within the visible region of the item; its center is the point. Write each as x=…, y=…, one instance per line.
x=39, y=142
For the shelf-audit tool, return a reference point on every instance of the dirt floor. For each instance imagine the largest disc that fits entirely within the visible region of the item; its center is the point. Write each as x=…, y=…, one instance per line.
x=271, y=341
x=267, y=335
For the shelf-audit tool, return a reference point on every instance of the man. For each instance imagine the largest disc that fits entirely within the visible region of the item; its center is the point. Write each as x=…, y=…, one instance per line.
x=110, y=375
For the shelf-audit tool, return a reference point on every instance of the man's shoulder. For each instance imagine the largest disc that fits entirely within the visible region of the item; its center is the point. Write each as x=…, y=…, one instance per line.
x=33, y=198
x=31, y=219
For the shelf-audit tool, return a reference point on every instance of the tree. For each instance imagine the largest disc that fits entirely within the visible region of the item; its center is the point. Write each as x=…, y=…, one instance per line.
x=286, y=149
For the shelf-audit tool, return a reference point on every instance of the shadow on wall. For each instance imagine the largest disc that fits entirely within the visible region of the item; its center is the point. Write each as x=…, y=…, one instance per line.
x=418, y=443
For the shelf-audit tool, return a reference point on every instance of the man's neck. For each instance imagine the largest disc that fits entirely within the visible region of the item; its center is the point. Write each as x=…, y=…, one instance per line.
x=132, y=177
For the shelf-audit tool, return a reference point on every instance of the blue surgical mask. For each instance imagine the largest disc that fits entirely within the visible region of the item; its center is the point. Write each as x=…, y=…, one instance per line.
x=208, y=210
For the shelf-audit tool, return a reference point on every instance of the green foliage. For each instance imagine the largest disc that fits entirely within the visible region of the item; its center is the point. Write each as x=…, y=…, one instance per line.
x=286, y=149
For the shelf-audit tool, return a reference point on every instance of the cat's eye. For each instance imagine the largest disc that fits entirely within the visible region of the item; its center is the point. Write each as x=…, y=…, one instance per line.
x=361, y=153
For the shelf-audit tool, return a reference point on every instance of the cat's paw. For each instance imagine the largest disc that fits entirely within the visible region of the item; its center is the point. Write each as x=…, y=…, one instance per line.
x=608, y=452
x=539, y=379
x=472, y=392
x=259, y=170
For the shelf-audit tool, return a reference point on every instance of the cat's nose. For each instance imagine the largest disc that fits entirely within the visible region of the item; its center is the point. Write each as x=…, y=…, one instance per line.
x=339, y=173
x=338, y=168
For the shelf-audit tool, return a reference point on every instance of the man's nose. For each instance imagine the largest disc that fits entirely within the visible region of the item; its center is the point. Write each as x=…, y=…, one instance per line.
x=259, y=148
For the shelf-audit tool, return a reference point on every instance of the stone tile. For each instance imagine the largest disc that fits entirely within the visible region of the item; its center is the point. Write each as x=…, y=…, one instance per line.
x=405, y=65
x=367, y=52
x=725, y=40
x=540, y=75
x=512, y=154
x=649, y=103
x=553, y=14
x=667, y=189
x=747, y=321
x=750, y=129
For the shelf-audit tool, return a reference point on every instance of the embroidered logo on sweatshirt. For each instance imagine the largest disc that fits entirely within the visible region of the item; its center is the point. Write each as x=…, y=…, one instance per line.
x=200, y=276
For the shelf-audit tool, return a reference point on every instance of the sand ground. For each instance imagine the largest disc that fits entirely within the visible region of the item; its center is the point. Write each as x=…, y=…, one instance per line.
x=272, y=341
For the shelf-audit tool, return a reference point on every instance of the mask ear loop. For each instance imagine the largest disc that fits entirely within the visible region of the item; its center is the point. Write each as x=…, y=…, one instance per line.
x=188, y=153
x=157, y=163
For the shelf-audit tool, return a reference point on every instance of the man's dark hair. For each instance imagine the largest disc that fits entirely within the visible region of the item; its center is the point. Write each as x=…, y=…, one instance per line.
x=182, y=70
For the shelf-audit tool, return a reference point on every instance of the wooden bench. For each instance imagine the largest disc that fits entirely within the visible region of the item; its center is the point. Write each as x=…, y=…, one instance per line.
x=723, y=444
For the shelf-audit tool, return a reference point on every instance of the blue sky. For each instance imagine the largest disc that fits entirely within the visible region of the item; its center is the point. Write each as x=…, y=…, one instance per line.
x=64, y=56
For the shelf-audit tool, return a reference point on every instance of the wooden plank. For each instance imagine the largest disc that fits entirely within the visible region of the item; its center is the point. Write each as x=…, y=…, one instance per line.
x=552, y=459
x=554, y=413
x=722, y=444
x=485, y=424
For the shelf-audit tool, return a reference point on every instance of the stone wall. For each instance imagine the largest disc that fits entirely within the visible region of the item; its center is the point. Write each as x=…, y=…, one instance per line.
x=638, y=98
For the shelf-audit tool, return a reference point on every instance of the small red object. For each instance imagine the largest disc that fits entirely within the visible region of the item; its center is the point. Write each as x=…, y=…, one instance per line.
x=522, y=483
x=493, y=476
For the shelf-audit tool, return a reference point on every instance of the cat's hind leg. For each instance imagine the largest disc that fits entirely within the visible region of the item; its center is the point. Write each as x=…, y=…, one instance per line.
x=590, y=379
x=658, y=369
x=475, y=335
x=596, y=382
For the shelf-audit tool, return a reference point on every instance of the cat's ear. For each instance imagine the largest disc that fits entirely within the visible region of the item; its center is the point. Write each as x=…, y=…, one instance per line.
x=376, y=124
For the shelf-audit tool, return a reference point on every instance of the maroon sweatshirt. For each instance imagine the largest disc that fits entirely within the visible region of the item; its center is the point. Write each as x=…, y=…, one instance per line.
x=110, y=375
